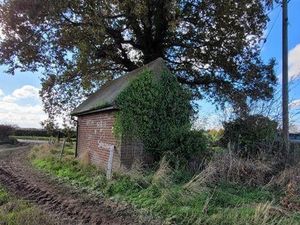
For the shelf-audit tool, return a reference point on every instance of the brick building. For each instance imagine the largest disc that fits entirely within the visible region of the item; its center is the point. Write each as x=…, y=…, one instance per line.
x=95, y=120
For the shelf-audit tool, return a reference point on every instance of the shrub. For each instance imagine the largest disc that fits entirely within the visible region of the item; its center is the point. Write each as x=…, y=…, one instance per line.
x=157, y=111
x=5, y=132
x=188, y=143
x=250, y=135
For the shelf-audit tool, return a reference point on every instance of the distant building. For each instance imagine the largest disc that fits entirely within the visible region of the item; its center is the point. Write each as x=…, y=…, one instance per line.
x=294, y=137
x=96, y=117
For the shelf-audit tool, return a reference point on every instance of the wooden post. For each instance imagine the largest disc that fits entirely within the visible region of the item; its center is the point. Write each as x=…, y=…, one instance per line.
x=110, y=162
x=285, y=81
x=77, y=129
x=62, y=149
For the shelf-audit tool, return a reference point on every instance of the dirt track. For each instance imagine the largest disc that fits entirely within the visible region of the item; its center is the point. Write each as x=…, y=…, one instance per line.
x=66, y=204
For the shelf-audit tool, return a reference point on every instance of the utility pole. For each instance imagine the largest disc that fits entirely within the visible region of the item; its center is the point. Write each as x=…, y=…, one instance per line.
x=285, y=92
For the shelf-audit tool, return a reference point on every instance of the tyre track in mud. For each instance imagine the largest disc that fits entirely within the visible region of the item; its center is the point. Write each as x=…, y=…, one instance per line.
x=66, y=204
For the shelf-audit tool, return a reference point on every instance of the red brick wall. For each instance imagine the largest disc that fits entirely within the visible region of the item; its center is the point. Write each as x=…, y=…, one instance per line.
x=95, y=135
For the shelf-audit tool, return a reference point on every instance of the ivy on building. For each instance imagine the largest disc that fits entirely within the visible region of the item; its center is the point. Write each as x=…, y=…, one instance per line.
x=157, y=110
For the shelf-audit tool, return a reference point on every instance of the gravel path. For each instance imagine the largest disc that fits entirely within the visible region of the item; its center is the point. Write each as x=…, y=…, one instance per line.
x=66, y=204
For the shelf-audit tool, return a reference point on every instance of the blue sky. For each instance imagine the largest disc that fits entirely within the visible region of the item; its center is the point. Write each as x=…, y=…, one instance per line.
x=20, y=104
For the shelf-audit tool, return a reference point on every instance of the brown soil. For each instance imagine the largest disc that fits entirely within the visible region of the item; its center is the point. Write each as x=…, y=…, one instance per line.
x=64, y=203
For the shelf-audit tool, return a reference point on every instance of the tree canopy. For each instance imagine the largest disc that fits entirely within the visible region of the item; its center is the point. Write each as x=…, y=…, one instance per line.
x=212, y=46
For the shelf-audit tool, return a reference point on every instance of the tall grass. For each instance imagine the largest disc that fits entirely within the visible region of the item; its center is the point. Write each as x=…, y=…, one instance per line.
x=217, y=195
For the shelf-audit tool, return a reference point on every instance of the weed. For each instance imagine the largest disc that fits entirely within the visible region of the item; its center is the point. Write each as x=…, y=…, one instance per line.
x=4, y=197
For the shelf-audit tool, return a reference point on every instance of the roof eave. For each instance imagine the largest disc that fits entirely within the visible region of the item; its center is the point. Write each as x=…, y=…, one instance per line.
x=113, y=107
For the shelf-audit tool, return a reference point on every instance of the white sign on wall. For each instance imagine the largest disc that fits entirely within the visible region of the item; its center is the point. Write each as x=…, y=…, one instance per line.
x=103, y=145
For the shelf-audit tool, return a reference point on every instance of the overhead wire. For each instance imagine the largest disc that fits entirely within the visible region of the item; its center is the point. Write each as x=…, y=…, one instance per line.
x=272, y=26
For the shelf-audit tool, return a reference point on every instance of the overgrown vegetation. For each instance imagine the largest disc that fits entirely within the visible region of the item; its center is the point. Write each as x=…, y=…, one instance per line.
x=251, y=135
x=156, y=109
x=228, y=195
x=18, y=212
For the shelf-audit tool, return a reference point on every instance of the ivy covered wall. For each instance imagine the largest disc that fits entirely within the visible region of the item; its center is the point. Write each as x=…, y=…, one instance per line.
x=156, y=109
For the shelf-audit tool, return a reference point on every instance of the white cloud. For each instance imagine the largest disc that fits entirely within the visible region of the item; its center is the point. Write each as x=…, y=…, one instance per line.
x=294, y=63
x=9, y=98
x=29, y=115
x=27, y=91
x=1, y=93
x=295, y=104
x=295, y=128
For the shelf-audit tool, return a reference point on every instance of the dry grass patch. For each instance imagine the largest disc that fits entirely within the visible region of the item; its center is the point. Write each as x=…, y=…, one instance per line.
x=84, y=159
x=289, y=181
x=163, y=176
x=230, y=168
x=43, y=151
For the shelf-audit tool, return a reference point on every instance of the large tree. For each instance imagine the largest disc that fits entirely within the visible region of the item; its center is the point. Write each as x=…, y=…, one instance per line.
x=213, y=46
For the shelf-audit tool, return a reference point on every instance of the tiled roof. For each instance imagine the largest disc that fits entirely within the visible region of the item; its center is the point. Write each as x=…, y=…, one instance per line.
x=104, y=98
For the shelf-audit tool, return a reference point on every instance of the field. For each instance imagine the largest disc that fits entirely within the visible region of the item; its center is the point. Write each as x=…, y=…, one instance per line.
x=39, y=138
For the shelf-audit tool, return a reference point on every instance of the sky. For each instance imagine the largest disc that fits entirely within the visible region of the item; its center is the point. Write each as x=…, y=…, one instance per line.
x=21, y=105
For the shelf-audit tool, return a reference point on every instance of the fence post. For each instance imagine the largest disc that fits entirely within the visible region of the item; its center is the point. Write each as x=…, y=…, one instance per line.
x=110, y=162
x=62, y=149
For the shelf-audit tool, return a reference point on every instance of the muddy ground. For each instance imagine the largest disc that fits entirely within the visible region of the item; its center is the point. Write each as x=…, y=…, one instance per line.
x=66, y=204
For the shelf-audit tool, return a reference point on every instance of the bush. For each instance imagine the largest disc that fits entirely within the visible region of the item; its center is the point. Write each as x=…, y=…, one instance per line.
x=250, y=135
x=186, y=144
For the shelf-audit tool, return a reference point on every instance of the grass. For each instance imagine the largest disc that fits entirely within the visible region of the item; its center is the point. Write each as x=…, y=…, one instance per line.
x=40, y=138
x=87, y=178
x=17, y=212
x=32, y=138
x=219, y=204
